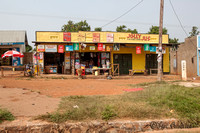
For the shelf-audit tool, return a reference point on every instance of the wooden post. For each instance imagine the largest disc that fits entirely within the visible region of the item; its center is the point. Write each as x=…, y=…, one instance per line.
x=159, y=58
x=2, y=72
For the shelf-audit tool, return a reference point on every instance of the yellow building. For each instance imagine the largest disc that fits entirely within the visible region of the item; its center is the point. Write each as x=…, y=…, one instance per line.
x=64, y=52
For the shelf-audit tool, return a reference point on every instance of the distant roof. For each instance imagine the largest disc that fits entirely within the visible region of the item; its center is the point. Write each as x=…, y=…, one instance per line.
x=13, y=36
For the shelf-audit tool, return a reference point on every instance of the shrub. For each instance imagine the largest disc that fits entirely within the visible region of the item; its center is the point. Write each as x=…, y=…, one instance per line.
x=5, y=115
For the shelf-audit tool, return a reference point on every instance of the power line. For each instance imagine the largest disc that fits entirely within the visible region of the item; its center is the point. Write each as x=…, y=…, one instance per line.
x=122, y=14
x=92, y=19
x=180, y=21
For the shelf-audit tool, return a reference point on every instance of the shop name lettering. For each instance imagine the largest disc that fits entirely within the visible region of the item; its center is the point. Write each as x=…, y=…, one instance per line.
x=53, y=37
x=138, y=37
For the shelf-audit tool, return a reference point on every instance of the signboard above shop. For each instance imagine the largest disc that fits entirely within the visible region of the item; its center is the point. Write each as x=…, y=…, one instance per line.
x=60, y=48
x=138, y=50
x=101, y=37
x=40, y=48
x=67, y=36
x=68, y=47
x=50, y=48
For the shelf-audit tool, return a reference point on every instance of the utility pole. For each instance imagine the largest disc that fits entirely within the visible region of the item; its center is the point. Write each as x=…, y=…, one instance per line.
x=159, y=58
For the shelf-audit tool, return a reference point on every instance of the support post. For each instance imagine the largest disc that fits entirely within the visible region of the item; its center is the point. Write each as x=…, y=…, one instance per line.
x=159, y=58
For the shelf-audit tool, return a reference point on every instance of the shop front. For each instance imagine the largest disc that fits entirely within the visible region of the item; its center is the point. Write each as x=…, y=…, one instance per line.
x=64, y=53
x=12, y=40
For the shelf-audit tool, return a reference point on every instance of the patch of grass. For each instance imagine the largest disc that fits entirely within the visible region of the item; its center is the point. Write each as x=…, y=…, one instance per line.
x=108, y=113
x=183, y=100
x=5, y=115
x=158, y=100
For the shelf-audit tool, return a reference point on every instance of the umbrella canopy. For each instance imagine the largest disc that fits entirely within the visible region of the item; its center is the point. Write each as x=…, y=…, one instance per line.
x=13, y=53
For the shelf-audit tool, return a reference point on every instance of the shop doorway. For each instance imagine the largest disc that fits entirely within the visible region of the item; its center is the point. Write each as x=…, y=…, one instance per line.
x=151, y=62
x=55, y=59
x=124, y=61
x=5, y=61
x=88, y=60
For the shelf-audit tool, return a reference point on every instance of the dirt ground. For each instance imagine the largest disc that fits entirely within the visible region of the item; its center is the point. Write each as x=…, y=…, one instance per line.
x=34, y=96
x=28, y=97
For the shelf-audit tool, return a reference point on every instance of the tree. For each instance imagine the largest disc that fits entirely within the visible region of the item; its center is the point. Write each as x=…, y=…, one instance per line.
x=175, y=40
x=132, y=31
x=155, y=30
x=28, y=48
x=122, y=28
x=98, y=29
x=194, y=31
x=75, y=27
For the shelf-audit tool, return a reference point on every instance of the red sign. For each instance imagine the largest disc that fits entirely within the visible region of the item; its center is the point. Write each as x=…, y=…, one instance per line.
x=100, y=46
x=138, y=37
x=67, y=36
x=96, y=37
x=60, y=48
x=138, y=50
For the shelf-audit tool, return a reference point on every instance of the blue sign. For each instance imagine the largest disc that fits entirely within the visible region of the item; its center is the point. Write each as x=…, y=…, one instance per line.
x=198, y=37
x=12, y=43
x=68, y=47
x=152, y=48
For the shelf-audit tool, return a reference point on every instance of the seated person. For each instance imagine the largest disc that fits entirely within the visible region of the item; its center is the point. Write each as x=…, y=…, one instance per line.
x=91, y=63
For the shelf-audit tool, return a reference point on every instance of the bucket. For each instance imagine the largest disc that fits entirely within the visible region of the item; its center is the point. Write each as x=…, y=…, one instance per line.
x=96, y=73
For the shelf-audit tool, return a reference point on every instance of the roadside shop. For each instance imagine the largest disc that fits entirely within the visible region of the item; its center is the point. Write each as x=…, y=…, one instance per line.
x=64, y=52
x=12, y=40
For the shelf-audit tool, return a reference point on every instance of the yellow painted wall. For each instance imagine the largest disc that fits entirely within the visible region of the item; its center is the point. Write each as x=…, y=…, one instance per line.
x=49, y=36
x=87, y=37
x=166, y=61
x=139, y=60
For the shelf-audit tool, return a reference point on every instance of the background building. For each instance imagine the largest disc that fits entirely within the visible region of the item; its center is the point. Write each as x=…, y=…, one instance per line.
x=189, y=52
x=10, y=40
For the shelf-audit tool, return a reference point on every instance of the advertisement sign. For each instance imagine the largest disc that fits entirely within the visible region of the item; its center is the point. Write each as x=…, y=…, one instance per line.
x=50, y=48
x=41, y=56
x=67, y=60
x=68, y=47
x=60, y=48
x=116, y=47
x=67, y=36
x=138, y=50
x=76, y=46
x=40, y=48
x=100, y=46
x=89, y=37
x=96, y=37
x=109, y=37
x=163, y=50
x=108, y=48
x=104, y=48
x=152, y=48
x=146, y=47
x=92, y=47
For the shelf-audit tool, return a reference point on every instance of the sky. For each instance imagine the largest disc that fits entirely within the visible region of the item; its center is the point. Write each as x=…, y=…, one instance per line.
x=51, y=15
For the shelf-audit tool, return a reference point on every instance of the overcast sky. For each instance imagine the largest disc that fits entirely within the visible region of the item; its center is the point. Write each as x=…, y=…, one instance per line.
x=51, y=15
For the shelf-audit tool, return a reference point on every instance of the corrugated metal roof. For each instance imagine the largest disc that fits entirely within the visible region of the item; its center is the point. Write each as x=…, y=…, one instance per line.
x=13, y=36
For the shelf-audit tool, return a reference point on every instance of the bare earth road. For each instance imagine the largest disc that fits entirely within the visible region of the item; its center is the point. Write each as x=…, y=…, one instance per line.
x=26, y=97
x=34, y=96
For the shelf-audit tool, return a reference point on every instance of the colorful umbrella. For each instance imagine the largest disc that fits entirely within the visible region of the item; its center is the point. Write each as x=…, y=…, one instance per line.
x=12, y=53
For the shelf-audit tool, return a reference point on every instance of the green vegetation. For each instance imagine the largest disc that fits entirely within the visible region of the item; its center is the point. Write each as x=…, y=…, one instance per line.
x=158, y=100
x=5, y=115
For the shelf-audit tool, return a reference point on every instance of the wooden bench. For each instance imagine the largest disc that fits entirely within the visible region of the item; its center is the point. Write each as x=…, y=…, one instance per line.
x=133, y=71
x=153, y=69
x=11, y=67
